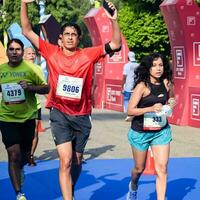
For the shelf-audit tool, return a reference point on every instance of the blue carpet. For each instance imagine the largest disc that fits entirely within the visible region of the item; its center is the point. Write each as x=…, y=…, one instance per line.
x=105, y=180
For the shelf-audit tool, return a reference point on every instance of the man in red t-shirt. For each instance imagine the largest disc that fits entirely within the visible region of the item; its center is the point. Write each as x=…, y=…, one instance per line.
x=70, y=78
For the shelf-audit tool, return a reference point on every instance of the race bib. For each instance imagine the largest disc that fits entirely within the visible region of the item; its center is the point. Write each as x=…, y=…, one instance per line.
x=69, y=87
x=12, y=93
x=152, y=121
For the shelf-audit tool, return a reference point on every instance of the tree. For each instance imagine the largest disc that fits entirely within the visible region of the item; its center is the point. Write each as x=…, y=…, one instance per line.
x=141, y=22
x=62, y=10
x=144, y=28
x=11, y=14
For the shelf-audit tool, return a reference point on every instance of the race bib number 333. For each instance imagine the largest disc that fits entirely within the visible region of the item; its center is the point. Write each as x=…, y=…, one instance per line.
x=69, y=87
x=152, y=121
x=13, y=93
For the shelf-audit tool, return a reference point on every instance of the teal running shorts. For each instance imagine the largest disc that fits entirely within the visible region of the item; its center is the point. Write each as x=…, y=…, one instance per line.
x=142, y=140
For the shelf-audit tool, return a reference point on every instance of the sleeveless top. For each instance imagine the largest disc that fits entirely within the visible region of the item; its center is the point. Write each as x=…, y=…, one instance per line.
x=158, y=94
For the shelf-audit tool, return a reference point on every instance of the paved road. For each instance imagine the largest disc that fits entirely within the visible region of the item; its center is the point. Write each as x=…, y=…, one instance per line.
x=109, y=139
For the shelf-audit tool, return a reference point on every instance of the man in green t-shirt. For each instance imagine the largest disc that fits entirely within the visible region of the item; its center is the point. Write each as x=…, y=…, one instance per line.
x=19, y=81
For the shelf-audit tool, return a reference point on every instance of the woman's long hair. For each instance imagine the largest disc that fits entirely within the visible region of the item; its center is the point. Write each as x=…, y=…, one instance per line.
x=142, y=72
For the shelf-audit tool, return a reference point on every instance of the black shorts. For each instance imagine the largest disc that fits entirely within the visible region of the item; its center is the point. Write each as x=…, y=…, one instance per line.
x=67, y=128
x=18, y=133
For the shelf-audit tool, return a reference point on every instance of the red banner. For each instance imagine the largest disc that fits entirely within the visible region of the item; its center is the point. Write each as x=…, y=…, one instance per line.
x=183, y=21
x=109, y=72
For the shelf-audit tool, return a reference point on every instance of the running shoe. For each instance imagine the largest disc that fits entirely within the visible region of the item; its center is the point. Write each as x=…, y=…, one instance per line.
x=21, y=196
x=132, y=194
x=32, y=161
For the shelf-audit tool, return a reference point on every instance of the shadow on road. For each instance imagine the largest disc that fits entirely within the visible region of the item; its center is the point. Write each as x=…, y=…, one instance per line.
x=96, y=152
x=51, y=154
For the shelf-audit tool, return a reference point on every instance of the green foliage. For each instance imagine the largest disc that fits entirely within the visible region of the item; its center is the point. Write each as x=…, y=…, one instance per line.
x=198, y=2
x=144, y=31
x=11, y=11
x=63, y=10
x=140, y=21
x=144, y=5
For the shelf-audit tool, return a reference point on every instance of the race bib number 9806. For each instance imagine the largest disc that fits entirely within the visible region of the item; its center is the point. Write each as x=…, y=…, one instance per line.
x=12, y=93
x=152, y=121
x=69, y=87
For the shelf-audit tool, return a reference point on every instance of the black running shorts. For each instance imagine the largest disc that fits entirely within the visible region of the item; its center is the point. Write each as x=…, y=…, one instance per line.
x=72, y=128
x=18, y=133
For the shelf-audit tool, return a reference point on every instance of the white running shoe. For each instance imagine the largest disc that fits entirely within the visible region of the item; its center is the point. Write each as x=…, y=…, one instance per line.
x=132, y=194
x=21, y=196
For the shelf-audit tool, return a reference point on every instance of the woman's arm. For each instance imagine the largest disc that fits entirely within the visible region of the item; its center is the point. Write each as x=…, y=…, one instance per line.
x=170, y=88
x=140, y=91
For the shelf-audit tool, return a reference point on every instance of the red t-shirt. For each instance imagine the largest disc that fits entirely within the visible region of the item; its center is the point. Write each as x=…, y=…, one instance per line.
x=70, y=77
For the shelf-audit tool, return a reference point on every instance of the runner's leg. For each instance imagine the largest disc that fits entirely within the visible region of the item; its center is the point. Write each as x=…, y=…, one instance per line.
x=65, y=156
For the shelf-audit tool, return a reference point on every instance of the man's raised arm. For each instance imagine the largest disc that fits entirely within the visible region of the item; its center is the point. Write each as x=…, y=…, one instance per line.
x=115, y=43
x=26, y=25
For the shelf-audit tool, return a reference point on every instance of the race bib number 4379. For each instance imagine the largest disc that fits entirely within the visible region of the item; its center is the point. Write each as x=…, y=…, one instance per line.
x=69, y=87
x=12, y=93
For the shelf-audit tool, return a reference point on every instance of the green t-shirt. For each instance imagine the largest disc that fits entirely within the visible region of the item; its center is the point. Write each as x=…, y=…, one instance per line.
x=39, y=71
x=18, y=105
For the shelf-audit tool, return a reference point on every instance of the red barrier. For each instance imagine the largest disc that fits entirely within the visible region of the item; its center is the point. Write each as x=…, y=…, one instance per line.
x=183, y=21
x=108, y=72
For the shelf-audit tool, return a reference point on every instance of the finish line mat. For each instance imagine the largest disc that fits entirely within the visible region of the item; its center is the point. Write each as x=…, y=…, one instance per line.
x=105, y=180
